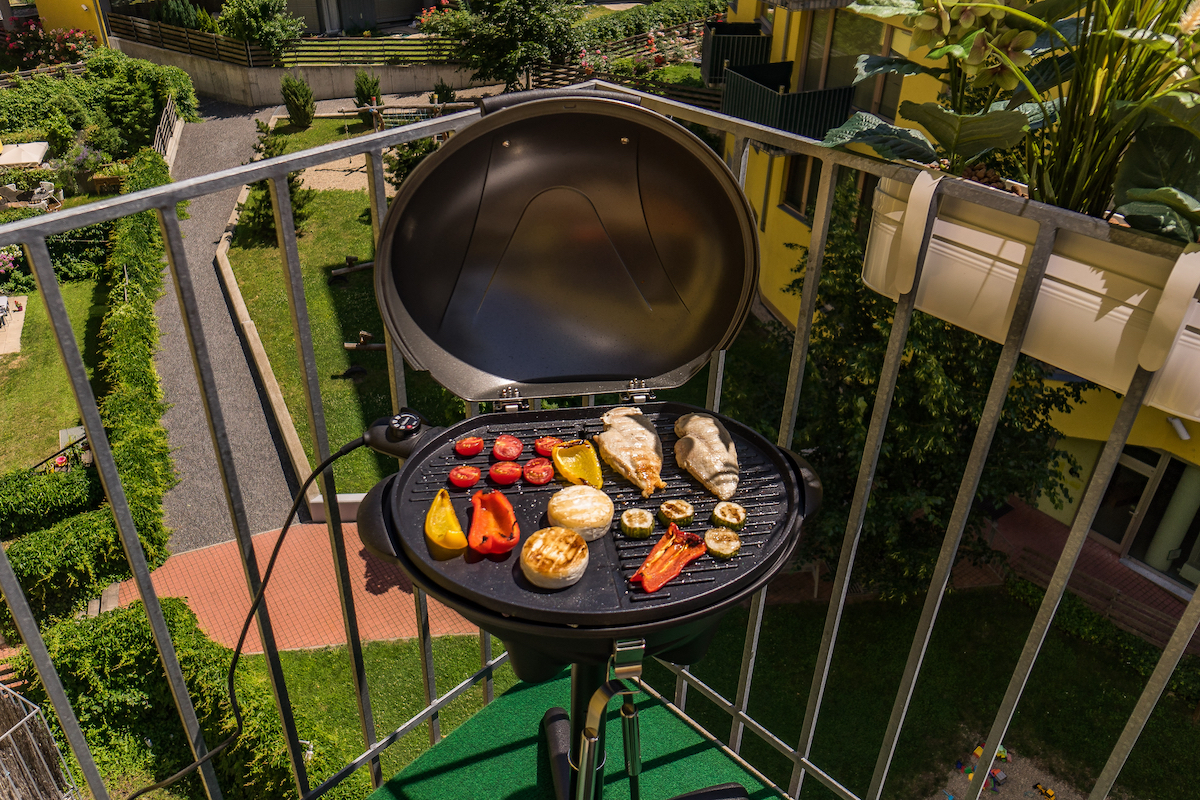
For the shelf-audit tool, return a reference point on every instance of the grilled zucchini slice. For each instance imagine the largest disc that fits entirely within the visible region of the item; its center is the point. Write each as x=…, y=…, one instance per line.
x=729, y=515
x=678, y=511
x=637, y=523
x=722, y=543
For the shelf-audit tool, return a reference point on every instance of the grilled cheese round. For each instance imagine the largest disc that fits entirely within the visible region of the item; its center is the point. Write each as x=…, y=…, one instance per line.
x=581, y=508
x=554, y=558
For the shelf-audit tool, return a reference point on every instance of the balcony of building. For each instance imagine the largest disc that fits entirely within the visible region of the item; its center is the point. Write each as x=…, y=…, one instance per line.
x=732, y=44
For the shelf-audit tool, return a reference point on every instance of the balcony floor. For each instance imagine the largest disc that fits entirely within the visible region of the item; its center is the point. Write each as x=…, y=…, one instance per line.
x=500, y=753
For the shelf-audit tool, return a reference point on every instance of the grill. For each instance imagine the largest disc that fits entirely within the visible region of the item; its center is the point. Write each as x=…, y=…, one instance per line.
x=574, y=244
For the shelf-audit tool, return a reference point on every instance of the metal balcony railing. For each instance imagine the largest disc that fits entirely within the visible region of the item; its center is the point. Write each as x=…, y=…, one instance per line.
x=731, y=44
x=758, y=93
x=32, y=234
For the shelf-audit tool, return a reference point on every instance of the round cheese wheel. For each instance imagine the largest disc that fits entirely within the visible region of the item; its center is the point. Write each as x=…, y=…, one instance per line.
x=583, y=509
x=554, y=558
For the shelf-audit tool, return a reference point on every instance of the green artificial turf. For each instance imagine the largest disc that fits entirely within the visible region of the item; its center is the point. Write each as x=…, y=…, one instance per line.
x=35, y=394
x=500, y=753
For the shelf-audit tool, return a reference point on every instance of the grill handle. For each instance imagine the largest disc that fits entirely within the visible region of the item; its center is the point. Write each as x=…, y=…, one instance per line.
x=489, y=104
x=810, y=484
x=400, y=435
x=375, y=520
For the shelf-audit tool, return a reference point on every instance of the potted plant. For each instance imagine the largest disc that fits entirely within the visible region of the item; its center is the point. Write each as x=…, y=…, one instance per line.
x=1100, y=103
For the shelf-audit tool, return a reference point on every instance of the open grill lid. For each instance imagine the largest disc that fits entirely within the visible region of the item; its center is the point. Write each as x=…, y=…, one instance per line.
x=566, y=245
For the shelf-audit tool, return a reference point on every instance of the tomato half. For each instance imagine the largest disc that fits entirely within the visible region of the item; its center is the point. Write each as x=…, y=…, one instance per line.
x=470, y=446
x=505, y=472
x=545, y=445
x=539, y=471
x=465, y=475
x=507, y=448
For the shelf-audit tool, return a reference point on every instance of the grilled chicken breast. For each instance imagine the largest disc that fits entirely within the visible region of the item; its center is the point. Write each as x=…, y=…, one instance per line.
x=706, y=450
x=630, y=445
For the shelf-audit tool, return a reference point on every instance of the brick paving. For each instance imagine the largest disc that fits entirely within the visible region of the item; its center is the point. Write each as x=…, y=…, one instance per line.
x=302, y=596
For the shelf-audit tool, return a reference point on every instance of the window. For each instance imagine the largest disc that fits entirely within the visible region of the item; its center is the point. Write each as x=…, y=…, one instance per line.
x=803, y=180
x=835, y=41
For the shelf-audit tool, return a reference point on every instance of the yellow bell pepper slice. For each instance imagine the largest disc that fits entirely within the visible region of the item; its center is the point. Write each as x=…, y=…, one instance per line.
x=577, y=462
x=443, y=531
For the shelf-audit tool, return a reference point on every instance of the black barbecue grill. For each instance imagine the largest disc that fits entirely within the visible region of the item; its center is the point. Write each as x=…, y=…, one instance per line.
x=574, y=245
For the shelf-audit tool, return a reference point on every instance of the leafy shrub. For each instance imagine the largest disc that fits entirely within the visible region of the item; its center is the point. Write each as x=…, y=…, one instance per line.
x=28, y=45
x=1076, y=618
x=366, y=93
x=112, y=676
x=62, y=565
x=646, y=18
x=33, y=500
x=404, y=158
x=175, y=12
x=25, y=179
x=59, y=134
x=442, y=92
x=267, y=23
x=256, y=218
x=298, y=97
x=75, y=254
x=205, y=23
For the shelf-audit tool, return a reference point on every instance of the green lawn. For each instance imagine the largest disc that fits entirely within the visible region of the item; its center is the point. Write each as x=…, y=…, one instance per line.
x=322, y=131
x=35, y=395
x=319, y=684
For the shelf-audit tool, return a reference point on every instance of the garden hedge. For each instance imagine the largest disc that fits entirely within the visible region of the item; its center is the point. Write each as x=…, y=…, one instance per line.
x=646, y=18
x=62, y=566
x=111, y=674
x=30, y=501
x=1077, y=619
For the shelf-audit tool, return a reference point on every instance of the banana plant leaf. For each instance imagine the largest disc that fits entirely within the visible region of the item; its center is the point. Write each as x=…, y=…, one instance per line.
x=1158, y=218
x=1180, y=109
x=1033, y=111
x=869, y=66
x=887, y=141
x=968, y=136
x=1048, y=41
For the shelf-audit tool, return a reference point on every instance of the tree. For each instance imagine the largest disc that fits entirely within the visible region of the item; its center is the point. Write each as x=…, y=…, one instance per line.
x=502, y=39
x=298, y=97
x=267, y=23
x=939, y=398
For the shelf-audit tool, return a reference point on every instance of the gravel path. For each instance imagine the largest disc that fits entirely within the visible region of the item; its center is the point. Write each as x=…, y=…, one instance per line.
x=195, y=509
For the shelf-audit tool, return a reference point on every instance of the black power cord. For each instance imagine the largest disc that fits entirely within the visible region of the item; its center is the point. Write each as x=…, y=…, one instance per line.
x=237, y=652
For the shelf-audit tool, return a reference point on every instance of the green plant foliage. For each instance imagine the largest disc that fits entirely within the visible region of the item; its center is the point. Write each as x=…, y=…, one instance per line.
x=59, y=134
x=403, y=159
x=442, y=92
x=939, y=396
x=111, y=673
x=64, y=564
x=176, y=12
x=256, y=218
x=366, y=93
x=33, y=500
x=1076, y=618
x=965, y=137
x=646, y=18
x=502, y=39
x=76, y=255
x=298, y=97
x=881, y=138
x=1158, y=182
x=267, y=23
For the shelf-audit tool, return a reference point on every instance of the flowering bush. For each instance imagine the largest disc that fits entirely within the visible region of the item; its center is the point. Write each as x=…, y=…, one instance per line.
x=8, y=259
x=594, y=62
x=27, y=45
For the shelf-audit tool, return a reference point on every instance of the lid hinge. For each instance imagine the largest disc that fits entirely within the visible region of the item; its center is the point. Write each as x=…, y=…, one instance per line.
x=636, y=392
x=510, y=400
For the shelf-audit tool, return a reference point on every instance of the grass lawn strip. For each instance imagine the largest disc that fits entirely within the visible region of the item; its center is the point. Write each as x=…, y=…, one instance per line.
x=36, y=400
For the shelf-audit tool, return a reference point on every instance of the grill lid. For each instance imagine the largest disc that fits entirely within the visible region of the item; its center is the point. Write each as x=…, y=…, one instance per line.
x=565, y=246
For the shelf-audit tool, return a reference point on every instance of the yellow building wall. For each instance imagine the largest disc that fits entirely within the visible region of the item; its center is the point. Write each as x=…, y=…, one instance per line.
x=747, y=11
x=67, y=14
x=1093, y=419
x=1086, y=452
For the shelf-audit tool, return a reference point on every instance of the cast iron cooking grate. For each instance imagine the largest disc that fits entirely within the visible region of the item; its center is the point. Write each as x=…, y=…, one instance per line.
x=767, y=489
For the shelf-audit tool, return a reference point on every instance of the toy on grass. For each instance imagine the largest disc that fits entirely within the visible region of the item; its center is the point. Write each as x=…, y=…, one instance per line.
x=1002, y=753
x=1046, y=793
x=948, y=795
x=999, y=776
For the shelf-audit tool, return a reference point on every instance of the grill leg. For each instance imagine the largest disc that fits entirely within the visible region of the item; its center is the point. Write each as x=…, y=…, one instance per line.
x=563, y=733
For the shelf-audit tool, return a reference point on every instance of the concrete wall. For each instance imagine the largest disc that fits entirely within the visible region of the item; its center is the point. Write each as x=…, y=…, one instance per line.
x=259, y=86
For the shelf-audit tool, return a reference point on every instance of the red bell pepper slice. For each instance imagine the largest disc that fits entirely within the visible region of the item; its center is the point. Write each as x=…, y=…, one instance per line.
x=674, y=551
x=493, y=524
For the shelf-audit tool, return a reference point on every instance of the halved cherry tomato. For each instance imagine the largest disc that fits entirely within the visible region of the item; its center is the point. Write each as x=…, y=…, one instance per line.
x=505, y=472
x=545, y=445
x=470, y=446
x=539, y=471
x=507, y=448
x=465, y=475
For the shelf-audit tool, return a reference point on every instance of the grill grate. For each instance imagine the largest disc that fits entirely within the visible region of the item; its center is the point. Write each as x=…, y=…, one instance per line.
x=767, y=489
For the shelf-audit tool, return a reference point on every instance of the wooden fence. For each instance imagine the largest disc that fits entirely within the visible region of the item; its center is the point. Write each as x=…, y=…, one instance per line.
x=631, y=46
x=296, y=53
x=57, y=70
x=554, y=75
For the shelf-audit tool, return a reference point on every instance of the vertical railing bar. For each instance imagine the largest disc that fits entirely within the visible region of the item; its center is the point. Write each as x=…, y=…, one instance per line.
x=746, y=677
x=808, y=301
x=26, y=624
x=428, y=675
x=989, y=421
x=106, y=467
x=716, y=377
x=1088, y=506
x=472, y=409
x=285, y=228
x=209, y=397
x=485, y=655
x=858, y=508
x=1146, y=703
